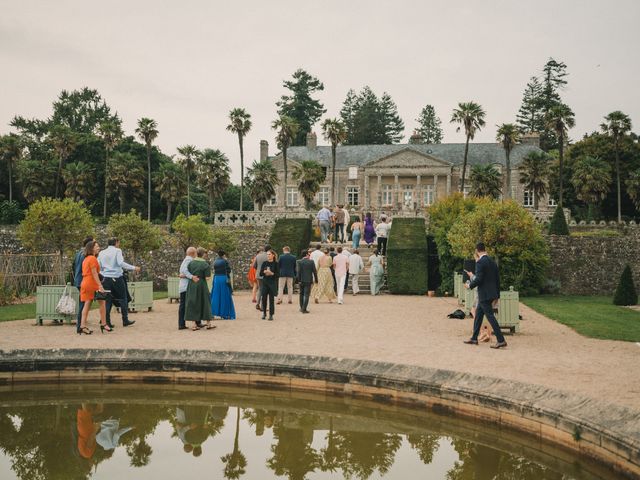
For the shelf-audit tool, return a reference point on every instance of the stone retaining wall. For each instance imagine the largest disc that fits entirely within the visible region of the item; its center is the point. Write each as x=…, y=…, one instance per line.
x=592, y=429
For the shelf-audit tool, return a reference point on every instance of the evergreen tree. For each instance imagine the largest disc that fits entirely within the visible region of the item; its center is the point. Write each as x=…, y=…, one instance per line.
x=534, y=175
x=347, y=112
x=485, y=181
x=560, y=119
x=626, y=293
x=309, y=175
x=592, y=180
x=240, y=124
x=335, y=132
x=188, y=157
x=390, y=119
x=371, y=120
x=299, y=105
x=633, y=188
x=469, y=116
x=10, y=153
x=508, y=136
x=213, y=175
x=148, y=131
x=617, y=126
x=429, y=125
x=110, y=131
x=79, y=179
x=261, y=182
x=530, y=117
x=286, y=130
x=171, y=186
x=553, y=81
x=558, y=225
x=126, y=178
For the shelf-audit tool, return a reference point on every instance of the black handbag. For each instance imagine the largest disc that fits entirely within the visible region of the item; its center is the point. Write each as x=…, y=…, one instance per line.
x=102, y=295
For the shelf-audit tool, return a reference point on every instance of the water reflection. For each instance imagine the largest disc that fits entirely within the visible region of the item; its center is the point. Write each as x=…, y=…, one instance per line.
x=57, y=438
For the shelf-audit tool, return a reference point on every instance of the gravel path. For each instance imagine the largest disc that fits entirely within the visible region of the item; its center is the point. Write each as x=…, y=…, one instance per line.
x=409, y=330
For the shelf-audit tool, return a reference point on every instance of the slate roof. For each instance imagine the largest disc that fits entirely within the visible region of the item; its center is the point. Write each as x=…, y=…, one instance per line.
x=453, y=153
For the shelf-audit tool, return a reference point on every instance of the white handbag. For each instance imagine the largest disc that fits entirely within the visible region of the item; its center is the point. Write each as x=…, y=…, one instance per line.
x=66, y=304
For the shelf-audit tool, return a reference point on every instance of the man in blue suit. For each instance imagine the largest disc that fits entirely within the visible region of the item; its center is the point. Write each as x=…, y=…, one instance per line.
x=487, y=279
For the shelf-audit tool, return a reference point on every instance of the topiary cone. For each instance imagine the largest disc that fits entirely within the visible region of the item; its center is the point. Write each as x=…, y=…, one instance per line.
x=558, y=225
x=626, y=292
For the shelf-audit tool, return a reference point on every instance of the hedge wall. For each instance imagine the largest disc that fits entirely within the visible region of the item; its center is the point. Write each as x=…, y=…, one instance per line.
x=407, y=257
x=295, y=232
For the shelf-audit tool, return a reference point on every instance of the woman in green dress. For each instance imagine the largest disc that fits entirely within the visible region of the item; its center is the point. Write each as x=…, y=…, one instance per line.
x=198, y=301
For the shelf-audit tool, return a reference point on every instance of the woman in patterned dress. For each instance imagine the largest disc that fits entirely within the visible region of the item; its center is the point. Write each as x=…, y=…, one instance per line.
x=324, y=287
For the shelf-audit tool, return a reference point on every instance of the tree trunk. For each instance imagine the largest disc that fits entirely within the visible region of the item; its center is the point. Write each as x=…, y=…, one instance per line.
x=188, y=193
x=464, y=165
x=169, y=205
x=58, y=175
x=333, y=172
x=241, y=170
x=284, y=159
x=561, y=168
x=210, y=206
x=535, y=200
x=148, y=182
x=122, y=198
x=508, y=171
x=106, y=168
x=618, y=180
x=10, y=181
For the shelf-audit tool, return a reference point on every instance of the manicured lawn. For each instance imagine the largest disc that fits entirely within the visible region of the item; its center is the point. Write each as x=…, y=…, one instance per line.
x=594, y=317
x=28, y=310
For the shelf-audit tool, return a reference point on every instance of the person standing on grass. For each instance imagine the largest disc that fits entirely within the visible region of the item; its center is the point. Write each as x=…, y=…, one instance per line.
x=257, y=264
x=269, y=271
x=89, y=286
x=306, y=276
x=341, y=268
x=382, y=232
x=198, y=300
x=77, y=277
x=487, y=279
x=287, y=265
x=185, y=277
x=356, y=267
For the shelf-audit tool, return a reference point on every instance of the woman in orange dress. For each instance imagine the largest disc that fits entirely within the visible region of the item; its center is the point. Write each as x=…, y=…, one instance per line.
x=89, y=286
x=251, y=277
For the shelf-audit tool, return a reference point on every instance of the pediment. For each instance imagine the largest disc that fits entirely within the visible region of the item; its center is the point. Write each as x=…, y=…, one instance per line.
x=408, y=157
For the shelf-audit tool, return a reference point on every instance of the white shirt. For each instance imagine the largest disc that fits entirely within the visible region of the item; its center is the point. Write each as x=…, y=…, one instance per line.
x=112, y=262
x=316, y=255
x=356, y=265
x=382, y=230
x=184, y=270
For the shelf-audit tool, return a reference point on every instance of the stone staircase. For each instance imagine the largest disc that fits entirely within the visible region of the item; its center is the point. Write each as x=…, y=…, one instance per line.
x=365, y=253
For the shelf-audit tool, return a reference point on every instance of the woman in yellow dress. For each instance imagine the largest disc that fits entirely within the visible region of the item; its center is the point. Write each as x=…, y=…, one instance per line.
x=324, y=287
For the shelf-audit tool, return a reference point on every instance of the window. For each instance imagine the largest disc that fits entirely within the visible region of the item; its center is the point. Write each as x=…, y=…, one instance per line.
x=353, y=196
x=272, y=202
x=353, y=173
x=552, y=202
x=407, y=195
x=292, y=197
x=323, y=196
x=527, y=198
x=428, y=195
x=387, y=194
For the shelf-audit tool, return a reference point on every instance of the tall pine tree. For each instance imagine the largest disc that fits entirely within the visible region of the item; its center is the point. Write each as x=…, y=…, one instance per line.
x=530, y=117
x=371, y=120
x=299, y=105
x=393, y=124
x=553, y=81
x=429, y=125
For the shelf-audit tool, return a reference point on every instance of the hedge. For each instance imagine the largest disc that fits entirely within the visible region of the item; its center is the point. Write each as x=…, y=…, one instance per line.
x=294, y=232
x=407, y=257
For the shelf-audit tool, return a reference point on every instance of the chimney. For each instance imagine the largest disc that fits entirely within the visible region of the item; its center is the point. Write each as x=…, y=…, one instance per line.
x=312, y=141
x=264, y=150
x=531, y=138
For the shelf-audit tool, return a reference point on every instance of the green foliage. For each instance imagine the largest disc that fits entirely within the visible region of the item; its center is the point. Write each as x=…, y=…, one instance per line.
x=309, y=175
x=171, y=186
x=626, y=293
x=558, y=224
x=299, y=105
x=591, y=179
x=230, y=200
x=485, y=181
x=512, y=237
x=79, y=179
x=261, y=182
x=534, y=174
x=52, y=224
x=633, y=187
x=294, y=232
x=429, y=125
x=371, y=120
x=223, y=239
x=470, y=117
x=530, y=117
x=240, y=124
x=191, y=231
x=213, y=175
x=138, y=236
x=407, y=257
x=10, y=213
x=125, y=178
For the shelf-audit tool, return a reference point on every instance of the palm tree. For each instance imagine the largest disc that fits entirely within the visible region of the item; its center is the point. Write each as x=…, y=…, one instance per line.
x=261, y=181
x=170, y=185
x=485, y=181
x=111, y=133
x=35, y=178
x=286, y=128
x=591, y=178
x=148, y=131
x=633, y=187
x=213, y=175
x=189, y=155
x=508, y=135
x=10, y=152
x=235, y=462
x=309, y=176
x=240, y=125
x=78, y=177
x=64, y=141
x=560, y=119
x=617, y=126
x=534, y=174
x=470, y=116
x=335, y=132
x=125, y=176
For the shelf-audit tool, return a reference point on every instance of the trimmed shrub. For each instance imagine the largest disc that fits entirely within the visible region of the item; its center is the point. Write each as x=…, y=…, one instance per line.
x=138, y=236
x=626, y=293
x=294, y=232
x=191, y=231
x=407, y=257
x=558, y=225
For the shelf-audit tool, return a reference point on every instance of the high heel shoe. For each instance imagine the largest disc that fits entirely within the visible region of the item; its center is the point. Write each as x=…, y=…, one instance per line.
x=85, y=330
x=105, y=327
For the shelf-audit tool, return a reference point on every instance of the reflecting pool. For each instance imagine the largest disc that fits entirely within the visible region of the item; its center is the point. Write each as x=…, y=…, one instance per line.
x=144, y=432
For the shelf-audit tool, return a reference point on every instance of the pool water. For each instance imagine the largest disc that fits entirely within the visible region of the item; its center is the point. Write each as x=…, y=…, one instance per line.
x=142, y=432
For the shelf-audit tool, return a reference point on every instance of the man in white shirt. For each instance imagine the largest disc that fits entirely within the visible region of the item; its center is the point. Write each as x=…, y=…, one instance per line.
x=316, y=255
x=341, y=267
x=112, y=266
x=185, y=276
x=382, y=232
x=356, y=267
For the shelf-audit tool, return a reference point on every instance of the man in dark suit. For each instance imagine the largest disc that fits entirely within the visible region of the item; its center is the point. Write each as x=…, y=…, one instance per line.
x=487, y=279
x=287, y=265
x=307, y=275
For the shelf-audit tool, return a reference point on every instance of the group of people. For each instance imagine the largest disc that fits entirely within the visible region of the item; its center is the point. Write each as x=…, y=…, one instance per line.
x=334, y=225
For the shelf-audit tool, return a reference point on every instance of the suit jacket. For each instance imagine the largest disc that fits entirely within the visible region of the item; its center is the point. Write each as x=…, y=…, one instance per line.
x=307, y=271
x=487, y=279
x=287, y=264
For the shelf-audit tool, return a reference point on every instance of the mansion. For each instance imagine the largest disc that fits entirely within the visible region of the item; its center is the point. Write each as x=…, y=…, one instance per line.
x=398, y=177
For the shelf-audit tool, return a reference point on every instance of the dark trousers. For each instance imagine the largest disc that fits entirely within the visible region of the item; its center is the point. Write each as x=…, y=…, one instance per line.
x=339, y=228
x=305, y=293
x=120, y=294
x=486, y=308
x=181, y=307
x=79, y=319
x=268, y=292
x=259, y=291
x=382, y=245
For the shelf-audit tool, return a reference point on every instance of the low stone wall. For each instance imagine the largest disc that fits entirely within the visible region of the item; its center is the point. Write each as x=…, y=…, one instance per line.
x=594, y=430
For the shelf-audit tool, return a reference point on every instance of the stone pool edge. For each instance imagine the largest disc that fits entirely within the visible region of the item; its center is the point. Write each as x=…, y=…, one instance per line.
x=606, y=433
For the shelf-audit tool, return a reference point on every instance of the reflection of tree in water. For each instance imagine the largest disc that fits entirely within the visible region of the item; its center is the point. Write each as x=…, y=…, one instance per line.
x=144, y=419
x=293, y=456
x=425, y=445
x=361, y=453
x=330, y=460
x=478, y=462
x=235, y=462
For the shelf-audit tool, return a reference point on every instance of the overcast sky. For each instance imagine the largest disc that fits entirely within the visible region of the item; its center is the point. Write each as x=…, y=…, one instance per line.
x=187, y=63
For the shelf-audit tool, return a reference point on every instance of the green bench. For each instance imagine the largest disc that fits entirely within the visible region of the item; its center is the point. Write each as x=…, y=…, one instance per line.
x=47, y=298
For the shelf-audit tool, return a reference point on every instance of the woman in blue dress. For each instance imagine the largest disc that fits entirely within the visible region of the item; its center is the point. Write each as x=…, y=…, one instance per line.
x=221, y=299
